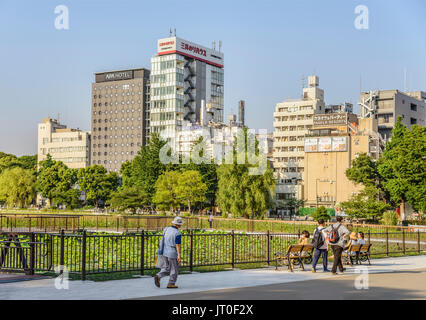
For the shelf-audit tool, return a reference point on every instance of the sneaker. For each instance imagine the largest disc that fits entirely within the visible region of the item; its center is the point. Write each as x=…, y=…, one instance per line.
x=334, y=273
x=313, y=270
x=326, y=270
x=172, y=286
x=157, y=281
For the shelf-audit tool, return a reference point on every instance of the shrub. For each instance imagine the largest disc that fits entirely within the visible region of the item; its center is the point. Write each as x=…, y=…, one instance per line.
x=390, y=218
x=321, y=213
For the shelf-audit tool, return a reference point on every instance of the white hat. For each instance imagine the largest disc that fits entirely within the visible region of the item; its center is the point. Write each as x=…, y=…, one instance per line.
x=178, y=221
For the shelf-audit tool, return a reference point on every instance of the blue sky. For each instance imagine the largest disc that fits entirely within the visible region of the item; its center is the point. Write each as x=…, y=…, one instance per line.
x=268, y=47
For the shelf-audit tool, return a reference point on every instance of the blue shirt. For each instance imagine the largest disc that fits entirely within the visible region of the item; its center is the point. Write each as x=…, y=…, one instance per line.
x=171, y=238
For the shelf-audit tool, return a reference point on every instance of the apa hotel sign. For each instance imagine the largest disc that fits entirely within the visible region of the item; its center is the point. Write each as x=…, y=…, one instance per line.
x=120, y=75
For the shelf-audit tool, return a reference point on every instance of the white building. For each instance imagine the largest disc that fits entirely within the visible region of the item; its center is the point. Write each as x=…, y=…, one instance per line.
x=183, y=74
x=292, y=121
x=71, y=146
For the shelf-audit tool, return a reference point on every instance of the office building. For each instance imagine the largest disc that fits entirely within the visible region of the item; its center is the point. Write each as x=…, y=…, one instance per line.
x=120, y=116
x=293, y=120
x=71, y=146
x=183, y=75
x=387, y=105
x=331, y=145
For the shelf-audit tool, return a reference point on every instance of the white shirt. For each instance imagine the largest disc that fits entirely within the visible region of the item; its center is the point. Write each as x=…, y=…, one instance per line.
x=324, y=236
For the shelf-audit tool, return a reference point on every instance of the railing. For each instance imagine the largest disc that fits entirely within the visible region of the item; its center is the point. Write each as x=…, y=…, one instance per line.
x=87, y=253
x=136, y=223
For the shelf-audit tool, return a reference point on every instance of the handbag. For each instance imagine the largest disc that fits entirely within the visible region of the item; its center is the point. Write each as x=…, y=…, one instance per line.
x=160, y=260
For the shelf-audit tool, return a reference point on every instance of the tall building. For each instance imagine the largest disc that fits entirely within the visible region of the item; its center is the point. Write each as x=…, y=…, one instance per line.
x=241, y=112
x=120, y=116
x=387, y=105
x=71, y=146
x=293, y=120
x=183, y=74
x=334, y=141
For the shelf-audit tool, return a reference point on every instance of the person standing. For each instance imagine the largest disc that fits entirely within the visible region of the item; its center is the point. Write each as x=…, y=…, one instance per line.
x=336, y=238
x=211, y=217
x=169, y=253
x=320, y=244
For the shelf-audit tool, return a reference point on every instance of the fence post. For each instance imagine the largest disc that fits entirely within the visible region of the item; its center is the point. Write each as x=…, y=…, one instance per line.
x=418, y=241
x=268, y=246
x=191, y=252
x=32, y=253
x=83, y=257
x=403, y=241
x=118, y=223
x=232, y=249
x=387, y=241
x=62, y=253
x=143, y=253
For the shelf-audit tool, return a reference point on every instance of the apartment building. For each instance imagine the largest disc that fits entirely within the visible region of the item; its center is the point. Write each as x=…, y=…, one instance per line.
x=120, y=116
x=71, y=146
x=387, y=105
x=292, y=121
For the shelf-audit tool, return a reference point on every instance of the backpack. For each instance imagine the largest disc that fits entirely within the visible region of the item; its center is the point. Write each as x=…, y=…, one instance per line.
x=318, y=239
x=333, y=236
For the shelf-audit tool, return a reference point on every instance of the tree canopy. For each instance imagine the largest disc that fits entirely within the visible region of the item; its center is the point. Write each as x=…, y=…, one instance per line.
x=17, y=187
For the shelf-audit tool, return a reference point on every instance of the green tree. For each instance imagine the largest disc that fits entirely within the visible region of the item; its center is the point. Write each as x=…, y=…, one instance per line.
x=8, y=161
x=365, y=205
x=97, y=183
x=17, y=187
x=146, y=167
x=294, y=204
x=191, y=188
x=166, y=195
x=241, y=192
x=363, y=170
x=50, y=180
x=321, y=213
x=65, y=191
x=129, y=198
x=402, y=167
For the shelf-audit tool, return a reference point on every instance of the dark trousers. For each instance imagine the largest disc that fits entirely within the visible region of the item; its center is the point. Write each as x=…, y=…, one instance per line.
x=318, y=253
x=337, y=252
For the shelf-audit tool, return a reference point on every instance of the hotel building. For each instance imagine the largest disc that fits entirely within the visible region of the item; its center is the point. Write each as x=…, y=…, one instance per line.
x=120, y=116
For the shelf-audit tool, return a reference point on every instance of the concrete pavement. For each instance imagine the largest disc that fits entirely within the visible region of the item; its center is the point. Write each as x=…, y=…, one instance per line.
x=195, y=283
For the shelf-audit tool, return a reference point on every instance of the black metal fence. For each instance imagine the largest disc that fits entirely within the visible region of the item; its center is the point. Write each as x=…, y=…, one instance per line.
x=90, y=253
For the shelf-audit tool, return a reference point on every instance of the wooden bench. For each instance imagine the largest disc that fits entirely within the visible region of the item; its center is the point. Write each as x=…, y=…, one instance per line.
x=358, y=253
x=296, y=254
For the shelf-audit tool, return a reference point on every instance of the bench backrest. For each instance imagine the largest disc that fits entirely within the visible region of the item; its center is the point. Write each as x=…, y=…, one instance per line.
x=295, y=248
x=308, y=248
x=355, y=248
x=365, y=248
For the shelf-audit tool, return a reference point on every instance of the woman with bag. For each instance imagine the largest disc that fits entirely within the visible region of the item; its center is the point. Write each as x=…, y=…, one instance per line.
x=169, y=254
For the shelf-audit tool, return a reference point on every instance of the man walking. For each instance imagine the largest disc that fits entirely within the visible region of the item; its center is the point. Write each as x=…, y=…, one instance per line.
x=336, y=238
x=211, y=217
x=320, y=244
x=169, y=253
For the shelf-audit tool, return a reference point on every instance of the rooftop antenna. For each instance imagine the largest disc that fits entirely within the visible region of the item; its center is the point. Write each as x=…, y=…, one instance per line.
x=170, y=34
x=405, y=79
x=220, y=45
x=214, y=45
x=175, y=32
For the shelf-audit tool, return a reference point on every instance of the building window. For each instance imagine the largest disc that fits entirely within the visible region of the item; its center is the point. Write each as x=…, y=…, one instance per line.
x=413, y=121
x=413, y=107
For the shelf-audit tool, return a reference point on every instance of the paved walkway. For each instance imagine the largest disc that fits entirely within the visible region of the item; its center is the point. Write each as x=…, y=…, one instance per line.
x=195, y=283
